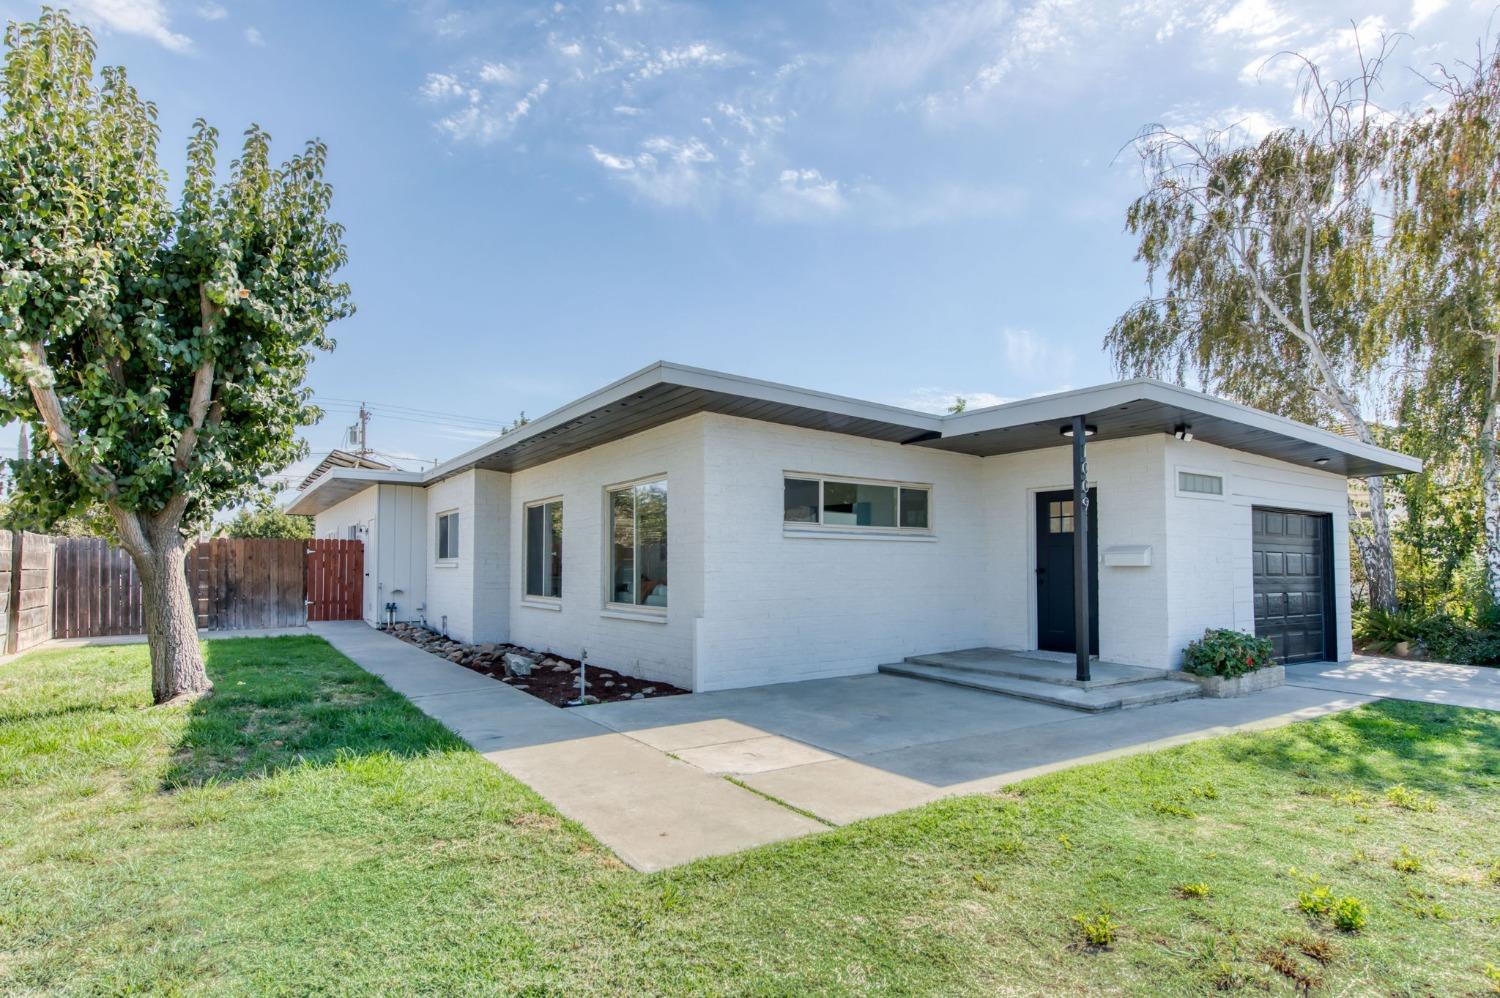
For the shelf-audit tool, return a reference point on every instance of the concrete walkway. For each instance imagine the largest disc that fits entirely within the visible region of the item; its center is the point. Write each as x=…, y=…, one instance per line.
x=1400, y=679
x=652, y=810
x=651, y=779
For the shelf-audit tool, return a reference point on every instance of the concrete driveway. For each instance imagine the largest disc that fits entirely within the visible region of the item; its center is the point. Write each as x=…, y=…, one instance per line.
x=846, y=749
x=1399, y=679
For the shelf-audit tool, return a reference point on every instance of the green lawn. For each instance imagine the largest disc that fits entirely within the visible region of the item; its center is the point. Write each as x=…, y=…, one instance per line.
x=308, y=830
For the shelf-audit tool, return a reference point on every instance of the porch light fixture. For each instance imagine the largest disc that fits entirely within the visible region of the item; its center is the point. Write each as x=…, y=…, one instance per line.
x=1088, y=431
x=1183, y=432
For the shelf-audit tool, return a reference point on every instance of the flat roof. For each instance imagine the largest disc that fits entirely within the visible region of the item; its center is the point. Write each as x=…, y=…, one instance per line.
x=664, y=392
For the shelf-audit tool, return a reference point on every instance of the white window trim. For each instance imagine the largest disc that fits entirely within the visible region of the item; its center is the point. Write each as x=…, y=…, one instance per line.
x=791, y=528
x=452, y=560
x=1177, y=489
x=541, y=602
x=630, y=611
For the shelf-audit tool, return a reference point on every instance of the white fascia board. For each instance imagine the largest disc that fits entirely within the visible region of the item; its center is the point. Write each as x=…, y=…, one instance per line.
x=337, y=484
x=1065, y=405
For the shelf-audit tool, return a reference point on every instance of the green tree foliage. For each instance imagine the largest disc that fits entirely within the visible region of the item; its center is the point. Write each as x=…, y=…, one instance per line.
x=1263, y=261
x=1445, y=300
x=157, y=353
x=268, y=521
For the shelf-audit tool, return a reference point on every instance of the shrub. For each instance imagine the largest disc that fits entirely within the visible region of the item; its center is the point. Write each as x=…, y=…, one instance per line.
x=1406, y=862
x=1350, y=914
x=1223, y=652
x=1098, y=930
x=1409, y=800
x=1193, y=891
x=1316, y=902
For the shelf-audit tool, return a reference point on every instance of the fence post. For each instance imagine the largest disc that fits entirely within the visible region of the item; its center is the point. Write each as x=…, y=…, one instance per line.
x=13, y=607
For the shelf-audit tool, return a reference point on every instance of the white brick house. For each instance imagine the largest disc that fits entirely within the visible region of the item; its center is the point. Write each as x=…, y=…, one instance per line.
x=715, y=531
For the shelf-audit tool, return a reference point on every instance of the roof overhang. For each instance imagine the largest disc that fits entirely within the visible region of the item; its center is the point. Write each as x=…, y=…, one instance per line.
x=665, y=392
x=1145, y=406
x=337, y=484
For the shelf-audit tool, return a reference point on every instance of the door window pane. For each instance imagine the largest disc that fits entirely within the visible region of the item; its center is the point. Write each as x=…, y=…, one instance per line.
x=638, y=559
x=1060, y=517
x=914, y=508
x=801, y=500
x=858, y=505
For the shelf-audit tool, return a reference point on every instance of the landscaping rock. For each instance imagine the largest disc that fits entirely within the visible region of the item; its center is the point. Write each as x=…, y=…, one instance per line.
x=518, y=665
x=638, y=696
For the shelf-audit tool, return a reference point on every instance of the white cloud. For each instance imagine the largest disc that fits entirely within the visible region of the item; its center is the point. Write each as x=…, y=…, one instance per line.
x=695, y=56
x=254, y=37
x=1423, y=10
x=146, y=18
x=610, y=161
x=497, y=72
x=440, y=86
x=572, y=50
x=803, y=194
x=212, y=11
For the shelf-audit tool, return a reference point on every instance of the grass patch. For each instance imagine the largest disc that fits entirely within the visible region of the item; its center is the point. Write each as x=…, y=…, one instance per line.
x=307, y=830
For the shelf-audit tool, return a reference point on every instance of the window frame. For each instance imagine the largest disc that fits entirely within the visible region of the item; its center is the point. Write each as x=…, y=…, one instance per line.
x=438, y=557
x=819, y=527
x=1180, y=470
x=611, y=607
x=526, y=509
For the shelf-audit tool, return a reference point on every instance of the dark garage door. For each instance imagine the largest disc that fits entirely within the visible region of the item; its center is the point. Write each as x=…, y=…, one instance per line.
x=1293, y=584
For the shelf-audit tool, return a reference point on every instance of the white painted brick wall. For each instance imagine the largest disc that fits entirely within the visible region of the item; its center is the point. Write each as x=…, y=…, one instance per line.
x=651, y=647
x=1132, y=601
x=752, y=603
x=781, y=607
x=1212, y=577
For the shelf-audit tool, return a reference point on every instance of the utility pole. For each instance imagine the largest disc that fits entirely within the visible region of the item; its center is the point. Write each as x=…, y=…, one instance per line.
x=364, y=431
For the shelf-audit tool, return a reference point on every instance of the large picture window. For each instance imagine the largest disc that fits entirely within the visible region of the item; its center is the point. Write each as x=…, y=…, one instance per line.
x=447, y=536
x=544, y=527
x=638, y=544
x=834, y=502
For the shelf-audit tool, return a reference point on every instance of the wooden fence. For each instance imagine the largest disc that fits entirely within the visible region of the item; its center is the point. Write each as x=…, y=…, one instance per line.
x=81, y=587
x=26, y=589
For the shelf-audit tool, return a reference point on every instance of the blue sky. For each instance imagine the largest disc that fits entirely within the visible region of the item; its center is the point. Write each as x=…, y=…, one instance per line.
x=895, y=201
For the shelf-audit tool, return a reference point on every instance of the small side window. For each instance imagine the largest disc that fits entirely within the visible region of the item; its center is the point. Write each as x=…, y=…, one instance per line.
x=447, y=536
x=1199, y=484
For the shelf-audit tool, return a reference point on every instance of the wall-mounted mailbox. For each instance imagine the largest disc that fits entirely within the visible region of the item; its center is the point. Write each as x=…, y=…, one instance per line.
x=1128, y=556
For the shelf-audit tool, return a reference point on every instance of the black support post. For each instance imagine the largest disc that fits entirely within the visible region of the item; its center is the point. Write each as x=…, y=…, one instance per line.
x=1083, y=638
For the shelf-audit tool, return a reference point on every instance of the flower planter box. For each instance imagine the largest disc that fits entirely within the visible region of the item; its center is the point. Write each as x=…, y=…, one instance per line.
x=1251, y=682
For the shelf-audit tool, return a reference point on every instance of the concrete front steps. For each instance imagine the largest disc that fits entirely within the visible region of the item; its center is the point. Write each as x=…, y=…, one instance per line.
x=1047, y=678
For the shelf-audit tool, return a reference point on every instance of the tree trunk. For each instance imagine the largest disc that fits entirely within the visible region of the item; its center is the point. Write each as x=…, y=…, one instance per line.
x=160, y=553
x=1488, y=483
x=1376, y=551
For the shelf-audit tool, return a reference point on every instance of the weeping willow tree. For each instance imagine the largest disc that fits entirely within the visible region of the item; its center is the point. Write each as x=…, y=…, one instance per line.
x=1263, y=263
x=1446, y=300
x=157, y=353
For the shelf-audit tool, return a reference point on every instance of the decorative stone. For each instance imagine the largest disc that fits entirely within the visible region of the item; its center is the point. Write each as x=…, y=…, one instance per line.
x=637, y=696
x=649, y=689
x=518, y=665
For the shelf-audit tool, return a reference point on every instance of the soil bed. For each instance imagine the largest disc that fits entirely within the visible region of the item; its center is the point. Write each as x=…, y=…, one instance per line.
x=553, y=678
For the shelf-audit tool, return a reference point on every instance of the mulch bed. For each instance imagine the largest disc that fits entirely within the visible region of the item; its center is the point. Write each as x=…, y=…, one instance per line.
x=553, y=678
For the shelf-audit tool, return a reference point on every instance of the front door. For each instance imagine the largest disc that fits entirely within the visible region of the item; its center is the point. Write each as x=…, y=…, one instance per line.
x=1055, y=629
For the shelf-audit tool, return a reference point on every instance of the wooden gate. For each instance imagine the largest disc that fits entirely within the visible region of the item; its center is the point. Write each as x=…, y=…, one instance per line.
x=241, y=583
x=335, y=580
